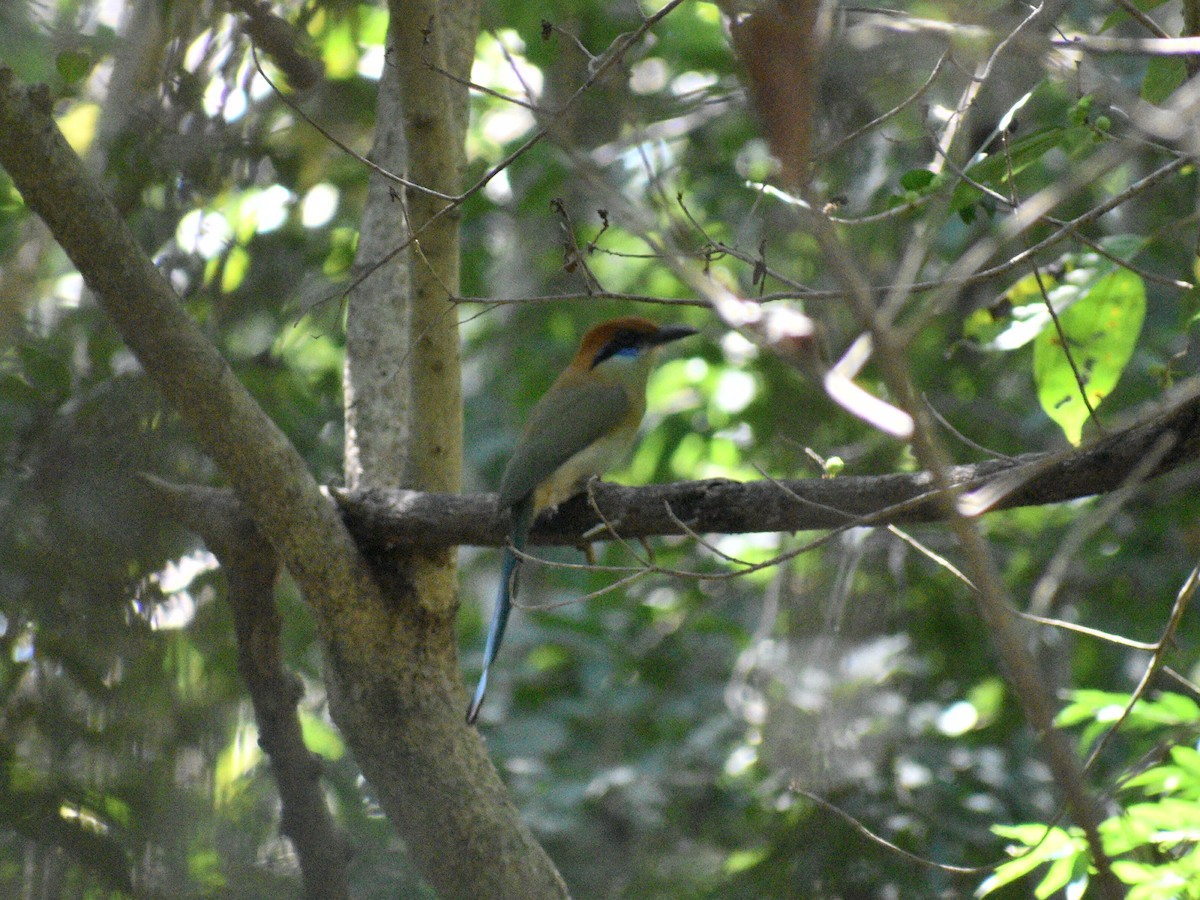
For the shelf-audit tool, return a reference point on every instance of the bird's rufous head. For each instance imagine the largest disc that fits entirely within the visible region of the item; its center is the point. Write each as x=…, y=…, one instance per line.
x=628, y=335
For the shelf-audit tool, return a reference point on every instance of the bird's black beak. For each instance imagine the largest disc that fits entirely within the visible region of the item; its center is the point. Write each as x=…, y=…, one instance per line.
x=668, y=333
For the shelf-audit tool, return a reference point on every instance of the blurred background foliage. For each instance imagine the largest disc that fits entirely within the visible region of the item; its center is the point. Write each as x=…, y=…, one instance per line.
x=655, y=736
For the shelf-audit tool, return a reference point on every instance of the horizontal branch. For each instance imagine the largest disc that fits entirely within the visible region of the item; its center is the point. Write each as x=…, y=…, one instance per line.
x=382, y=517
x=1182, y=46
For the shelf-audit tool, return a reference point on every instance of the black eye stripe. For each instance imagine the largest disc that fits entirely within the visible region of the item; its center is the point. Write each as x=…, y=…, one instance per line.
x=621, y=340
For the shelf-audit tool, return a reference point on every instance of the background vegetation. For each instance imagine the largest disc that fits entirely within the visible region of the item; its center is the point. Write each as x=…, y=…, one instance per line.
x=670, y=738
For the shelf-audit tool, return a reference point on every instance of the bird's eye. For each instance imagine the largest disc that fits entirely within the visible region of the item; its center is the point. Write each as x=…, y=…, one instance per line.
x=623, y=343
x=626, y=341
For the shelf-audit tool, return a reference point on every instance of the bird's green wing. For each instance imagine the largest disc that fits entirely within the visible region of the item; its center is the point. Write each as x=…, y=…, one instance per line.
x=563, y=423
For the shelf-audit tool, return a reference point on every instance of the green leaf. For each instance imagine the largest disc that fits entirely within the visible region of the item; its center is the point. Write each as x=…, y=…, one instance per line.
x=1065, y=870
x=1163, y=75
x=741, y=860
x=1044, y=846
x=1188, y=761
x=916, y=179
x=1101, y=329
x=1177, y=709
x=1174, y=821
x=1008, y=872
x=1086, y=705
x=320, y=737
x=994, y=169
x=1156, y=780
x=1122, y=834
x=73, y=65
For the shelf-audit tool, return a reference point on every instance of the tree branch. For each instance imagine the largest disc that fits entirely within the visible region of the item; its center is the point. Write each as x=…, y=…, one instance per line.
x=251, y=568
x=263, y=466
x=379, y=518
x=392, y=674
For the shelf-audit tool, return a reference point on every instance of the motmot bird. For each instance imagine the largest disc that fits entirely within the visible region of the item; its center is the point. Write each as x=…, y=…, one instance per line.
x=586, y=423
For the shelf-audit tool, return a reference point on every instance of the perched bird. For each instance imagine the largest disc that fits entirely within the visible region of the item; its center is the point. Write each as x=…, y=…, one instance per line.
x=585, y=424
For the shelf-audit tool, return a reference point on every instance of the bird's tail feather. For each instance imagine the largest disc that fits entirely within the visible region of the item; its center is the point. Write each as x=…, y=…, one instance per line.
x=504, y=597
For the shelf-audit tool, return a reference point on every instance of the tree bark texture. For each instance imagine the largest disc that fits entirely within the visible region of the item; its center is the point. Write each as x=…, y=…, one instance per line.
x=1168, y=437
x=394, y=682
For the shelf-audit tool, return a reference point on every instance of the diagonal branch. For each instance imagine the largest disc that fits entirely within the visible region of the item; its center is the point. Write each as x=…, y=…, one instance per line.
x=266, y=470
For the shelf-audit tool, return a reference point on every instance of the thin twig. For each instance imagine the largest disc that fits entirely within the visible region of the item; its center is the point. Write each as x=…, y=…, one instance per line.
x=933, y=555
x=1156, y=661
x=829, y=151
x=1085, y=630
x=699, y=539
x=609, y=527
x=884, y=842
x=379, y=170
x=483, y=89
x=945, y=423
x=1148, y=23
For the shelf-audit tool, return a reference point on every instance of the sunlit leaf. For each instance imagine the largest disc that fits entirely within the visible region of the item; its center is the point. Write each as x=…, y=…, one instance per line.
x=1101, y=329
x=320, y=737
x=1037, y=845
x=1065, y=870
x=1024, y=312
x=79, y=124
x=745, y=859
x=240, y=757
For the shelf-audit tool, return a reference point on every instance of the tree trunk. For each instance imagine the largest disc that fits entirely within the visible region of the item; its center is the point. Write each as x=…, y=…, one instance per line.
x=386, y=625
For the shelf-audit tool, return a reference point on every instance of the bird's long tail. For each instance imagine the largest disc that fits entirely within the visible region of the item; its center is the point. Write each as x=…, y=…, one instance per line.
x=522, y=515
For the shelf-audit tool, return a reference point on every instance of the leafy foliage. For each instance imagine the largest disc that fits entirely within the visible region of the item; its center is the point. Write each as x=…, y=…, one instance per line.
x=1084, y=321
x=1152, y=838
x=658, y=737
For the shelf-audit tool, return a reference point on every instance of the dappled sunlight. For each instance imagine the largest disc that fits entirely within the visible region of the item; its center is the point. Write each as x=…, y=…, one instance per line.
x=934, y=262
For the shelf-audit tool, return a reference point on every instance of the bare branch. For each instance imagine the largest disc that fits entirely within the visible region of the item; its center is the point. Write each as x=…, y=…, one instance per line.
x=380, y=518
x=1186, y=46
